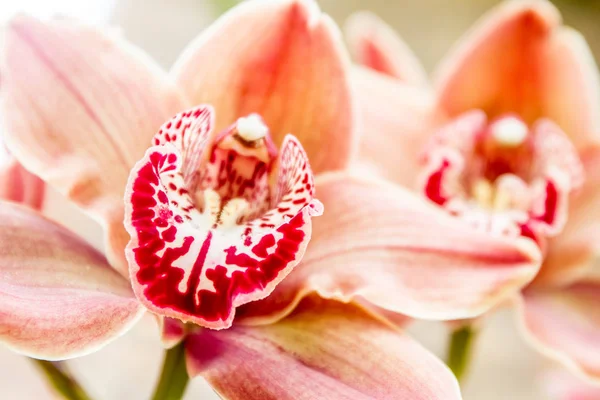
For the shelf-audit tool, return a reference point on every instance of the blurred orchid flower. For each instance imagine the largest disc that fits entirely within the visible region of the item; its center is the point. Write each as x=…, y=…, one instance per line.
x=218, y=208
x=507, y=139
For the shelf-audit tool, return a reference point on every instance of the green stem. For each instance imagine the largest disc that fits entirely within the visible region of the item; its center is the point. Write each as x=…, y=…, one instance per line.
x=61, y=380
x=460, y=350
x=174, y=377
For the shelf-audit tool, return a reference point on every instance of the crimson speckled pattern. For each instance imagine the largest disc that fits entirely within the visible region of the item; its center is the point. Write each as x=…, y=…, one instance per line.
x=208, y=233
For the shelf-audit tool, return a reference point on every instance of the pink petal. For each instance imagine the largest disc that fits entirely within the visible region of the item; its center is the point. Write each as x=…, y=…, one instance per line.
x=173, y=331
x=281, y=59
x=58, y=296
x=561, y=385
x=80, y=108
x=573, y=251
x=571, y=87
x=375, y=45
x=19, y=185
x=496, y=65
x=382, y=243
x=395, y=122
x=325, y=350
x=565, y=325
x=188, y=262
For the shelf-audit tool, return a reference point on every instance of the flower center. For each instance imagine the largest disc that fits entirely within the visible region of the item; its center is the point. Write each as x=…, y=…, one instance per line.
x=503, y=176
x=233, y=186
x=216, y=221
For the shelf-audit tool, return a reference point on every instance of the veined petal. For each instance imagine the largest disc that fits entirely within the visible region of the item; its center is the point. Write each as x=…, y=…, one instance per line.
x=496, y=65
x=564, y=324
x=59, y=298
x=281, y=59
x=375, y=45
x=80, y=108
x=193, y=254
x=396, y=120
x=324, y=350
x=573, y=251
x=382, y=243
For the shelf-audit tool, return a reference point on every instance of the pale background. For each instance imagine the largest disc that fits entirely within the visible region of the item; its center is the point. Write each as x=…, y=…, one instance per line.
x=504, y=367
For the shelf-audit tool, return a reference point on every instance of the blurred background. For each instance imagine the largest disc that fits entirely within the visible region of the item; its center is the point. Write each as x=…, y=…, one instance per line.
x=504, y=366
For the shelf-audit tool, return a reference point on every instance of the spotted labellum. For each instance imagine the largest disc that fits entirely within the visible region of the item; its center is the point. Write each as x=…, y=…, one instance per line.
x=216, y=221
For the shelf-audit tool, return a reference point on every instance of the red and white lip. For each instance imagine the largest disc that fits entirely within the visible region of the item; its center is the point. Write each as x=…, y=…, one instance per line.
x=216, y=222
x=503, y=176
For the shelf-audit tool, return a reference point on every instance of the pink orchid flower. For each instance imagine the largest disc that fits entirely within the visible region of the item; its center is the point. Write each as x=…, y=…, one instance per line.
x=508, y=139
x=218, y=164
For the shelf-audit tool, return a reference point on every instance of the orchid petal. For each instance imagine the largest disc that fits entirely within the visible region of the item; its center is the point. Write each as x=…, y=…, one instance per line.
x=562, y=385
x=396, y=120
x=59, y=298
x=572, y=252
x=80, y=108
x=571, y=87
x=375, y=45
x=380, y=242
x=281, y=59
x=495, y=67
x=565, y=325
x=196, y=263
x=172, y=331
x=324, y=350
x=19, y=185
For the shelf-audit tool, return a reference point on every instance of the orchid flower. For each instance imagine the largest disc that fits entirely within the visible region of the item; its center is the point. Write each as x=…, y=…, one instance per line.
x=221, y=187
x=222, y=166
x=506, y=138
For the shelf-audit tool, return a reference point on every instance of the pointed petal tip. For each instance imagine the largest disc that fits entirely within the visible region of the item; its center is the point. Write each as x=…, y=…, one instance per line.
x=357, y=25
x=376, y=45
x=283, y=49
x=540, y=15
x=307, y=11
x=468, y=77
x=542, y=11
